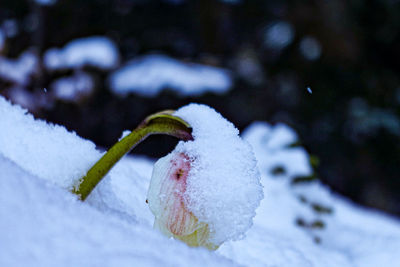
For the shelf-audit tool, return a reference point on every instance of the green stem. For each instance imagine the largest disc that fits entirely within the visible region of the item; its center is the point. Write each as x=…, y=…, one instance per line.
x=159, y=123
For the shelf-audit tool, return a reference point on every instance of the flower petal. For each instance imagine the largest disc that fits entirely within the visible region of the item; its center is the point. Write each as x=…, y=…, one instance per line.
x=199, y=238
x=166, y=196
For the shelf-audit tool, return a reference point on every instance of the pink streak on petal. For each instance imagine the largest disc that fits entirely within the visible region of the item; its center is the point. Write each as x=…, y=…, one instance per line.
x=177, y=218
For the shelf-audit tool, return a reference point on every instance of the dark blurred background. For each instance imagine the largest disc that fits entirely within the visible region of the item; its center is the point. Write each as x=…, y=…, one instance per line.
x=329, y=69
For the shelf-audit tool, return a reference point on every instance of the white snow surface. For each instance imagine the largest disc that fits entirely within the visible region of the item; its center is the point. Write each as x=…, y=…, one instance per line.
x=73, y=88
x=40, y=148
x=95, y=51
x=42, y=224
x=151, y=74
x=18, y=70
x=352, y=236
x=223, y=185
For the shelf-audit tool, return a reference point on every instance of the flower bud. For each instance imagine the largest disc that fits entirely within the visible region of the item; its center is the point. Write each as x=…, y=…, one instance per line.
x=166, y=199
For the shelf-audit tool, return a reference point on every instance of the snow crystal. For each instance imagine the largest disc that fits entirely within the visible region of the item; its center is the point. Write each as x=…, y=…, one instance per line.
x=149, y=75
x=73, y=88
x=99, y=52
x=223, y=186
x=18, y=70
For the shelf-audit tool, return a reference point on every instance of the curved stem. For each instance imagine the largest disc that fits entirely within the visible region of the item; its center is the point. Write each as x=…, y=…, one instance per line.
x=159, y=123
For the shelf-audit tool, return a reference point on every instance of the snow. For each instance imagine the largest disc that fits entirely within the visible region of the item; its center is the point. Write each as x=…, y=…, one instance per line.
x=310, y=48
x=46, y=2
x=47, y=151
x=19, y=70
x=94, y=51
x=42, y=224
x=22, y=97
x=223, y=186
x=270, y=143
x=124, y=134
x=46, y=225
x=278, y=35
x=2, y=40
x=73, y=88
x=10, y=28
x=151, y=74
x=352, y=236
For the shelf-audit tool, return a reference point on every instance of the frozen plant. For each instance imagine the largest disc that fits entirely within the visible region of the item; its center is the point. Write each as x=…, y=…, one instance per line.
x=206, y=191
x=203, y=193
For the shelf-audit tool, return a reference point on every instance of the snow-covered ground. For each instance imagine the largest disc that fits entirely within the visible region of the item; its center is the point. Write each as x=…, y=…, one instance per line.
x=42, y=224
x=20, y=70
x=95, y=51
x=73, y=88
x=151, y=74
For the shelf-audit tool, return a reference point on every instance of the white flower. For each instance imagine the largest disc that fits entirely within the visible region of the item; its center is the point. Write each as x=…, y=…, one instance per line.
x=207, y=190
x=166, y=201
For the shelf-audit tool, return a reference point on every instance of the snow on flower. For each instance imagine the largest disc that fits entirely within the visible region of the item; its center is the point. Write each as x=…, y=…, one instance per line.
x=166, y=201
x=206, y=191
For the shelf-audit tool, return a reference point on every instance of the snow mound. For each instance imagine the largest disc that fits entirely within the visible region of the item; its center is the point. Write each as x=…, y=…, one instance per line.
x=348, y=235
x=48, y=151
x=223, y=186
x=271, y=146
x=98, y=52
x=149, y=75
x=44, y=225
